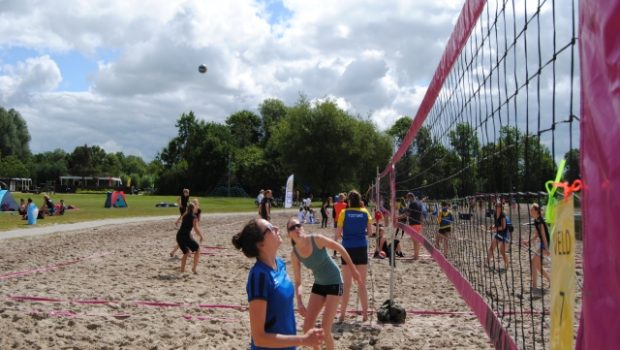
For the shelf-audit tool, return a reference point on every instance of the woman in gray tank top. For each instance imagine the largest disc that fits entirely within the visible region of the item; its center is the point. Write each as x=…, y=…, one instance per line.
x=311, y=251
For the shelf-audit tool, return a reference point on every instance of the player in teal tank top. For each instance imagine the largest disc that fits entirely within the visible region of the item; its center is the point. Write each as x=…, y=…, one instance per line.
x=311, y=251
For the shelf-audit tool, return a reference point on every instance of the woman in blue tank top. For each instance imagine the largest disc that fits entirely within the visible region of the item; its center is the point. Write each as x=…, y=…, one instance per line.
x=354, y=224
x=311, y=250
x=270, y=291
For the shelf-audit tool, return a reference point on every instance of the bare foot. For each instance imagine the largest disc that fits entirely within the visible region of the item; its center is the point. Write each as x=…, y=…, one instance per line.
x=194, y=271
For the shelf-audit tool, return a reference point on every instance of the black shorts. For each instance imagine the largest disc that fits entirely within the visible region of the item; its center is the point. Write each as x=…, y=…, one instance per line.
x=359, y=256
x=503, y=237
x=181, y=210
x=187, y=243
x=329, y=289
x=444, y=230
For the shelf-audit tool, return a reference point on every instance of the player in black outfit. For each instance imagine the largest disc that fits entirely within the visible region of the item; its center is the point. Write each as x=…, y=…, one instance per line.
x=185, y=241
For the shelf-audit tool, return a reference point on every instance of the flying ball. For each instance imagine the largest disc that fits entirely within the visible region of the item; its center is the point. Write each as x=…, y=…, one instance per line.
x=202, y=68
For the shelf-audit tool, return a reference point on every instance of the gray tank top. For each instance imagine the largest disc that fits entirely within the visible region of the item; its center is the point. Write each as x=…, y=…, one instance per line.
x=323, y=268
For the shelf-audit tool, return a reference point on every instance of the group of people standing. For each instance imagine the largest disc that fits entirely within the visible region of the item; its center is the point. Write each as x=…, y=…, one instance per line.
x=271, y=293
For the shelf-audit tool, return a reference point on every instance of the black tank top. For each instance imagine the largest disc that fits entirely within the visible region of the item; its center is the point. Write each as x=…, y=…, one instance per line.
x=498, y=222
x=187, y=222
x=184, y=200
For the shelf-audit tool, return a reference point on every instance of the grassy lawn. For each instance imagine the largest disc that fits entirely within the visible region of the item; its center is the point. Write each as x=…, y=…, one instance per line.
x=91, y=208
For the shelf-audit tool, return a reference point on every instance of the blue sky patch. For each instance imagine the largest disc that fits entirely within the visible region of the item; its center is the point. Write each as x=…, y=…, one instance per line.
x=75, y=68
x=276, y=11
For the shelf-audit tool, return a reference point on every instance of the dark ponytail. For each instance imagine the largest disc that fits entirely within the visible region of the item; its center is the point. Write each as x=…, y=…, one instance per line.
x=248, y=238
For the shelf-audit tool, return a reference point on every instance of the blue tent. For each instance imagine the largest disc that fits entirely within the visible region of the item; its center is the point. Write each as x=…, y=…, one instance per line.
x=7, y=202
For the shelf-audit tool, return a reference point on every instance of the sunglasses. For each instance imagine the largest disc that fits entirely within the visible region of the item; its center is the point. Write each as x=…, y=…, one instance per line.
x=294, y=227
x=271, y=228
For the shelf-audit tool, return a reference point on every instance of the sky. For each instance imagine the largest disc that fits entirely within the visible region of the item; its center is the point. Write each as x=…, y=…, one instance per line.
x=119, y=73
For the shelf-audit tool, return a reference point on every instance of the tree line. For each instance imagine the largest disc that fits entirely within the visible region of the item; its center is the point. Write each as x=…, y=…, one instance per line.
x=458, y=165
x=328, y=150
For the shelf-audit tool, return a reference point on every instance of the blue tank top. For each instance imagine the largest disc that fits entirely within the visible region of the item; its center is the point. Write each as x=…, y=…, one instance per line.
x=275, y=287
x=323, y=267
x=354, y=222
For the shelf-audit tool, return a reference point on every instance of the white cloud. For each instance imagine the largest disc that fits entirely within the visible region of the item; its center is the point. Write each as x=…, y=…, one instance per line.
x=35, y=75
x=373, y=58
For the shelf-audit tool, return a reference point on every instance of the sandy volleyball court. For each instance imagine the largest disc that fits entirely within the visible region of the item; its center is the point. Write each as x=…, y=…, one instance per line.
x=116, y=287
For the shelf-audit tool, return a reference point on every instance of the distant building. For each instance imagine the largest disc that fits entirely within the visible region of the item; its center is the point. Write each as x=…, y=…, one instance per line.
x=22, y=184
x=90, y=181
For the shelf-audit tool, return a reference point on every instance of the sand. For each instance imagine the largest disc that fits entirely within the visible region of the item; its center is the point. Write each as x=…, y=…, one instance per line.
x=116, y=287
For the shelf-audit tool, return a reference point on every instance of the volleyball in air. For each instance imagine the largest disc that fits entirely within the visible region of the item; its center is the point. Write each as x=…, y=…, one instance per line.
x=202, y=68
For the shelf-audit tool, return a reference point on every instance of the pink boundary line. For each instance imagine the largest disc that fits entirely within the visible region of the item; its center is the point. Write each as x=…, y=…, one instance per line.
x=122, y=316
x=152, y=303
x=500, y=338
x=52, y=267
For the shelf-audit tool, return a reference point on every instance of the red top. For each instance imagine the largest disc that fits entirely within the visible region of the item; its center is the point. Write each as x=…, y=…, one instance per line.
x=338, y=208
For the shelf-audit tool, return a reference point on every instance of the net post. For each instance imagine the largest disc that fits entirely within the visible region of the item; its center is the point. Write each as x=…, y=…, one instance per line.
x=393, y=211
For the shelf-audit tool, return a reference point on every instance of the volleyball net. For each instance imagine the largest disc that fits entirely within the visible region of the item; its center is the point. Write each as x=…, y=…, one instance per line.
x=499, y=114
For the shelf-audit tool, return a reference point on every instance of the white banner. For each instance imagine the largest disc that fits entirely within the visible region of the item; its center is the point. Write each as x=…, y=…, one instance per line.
x=288, y=197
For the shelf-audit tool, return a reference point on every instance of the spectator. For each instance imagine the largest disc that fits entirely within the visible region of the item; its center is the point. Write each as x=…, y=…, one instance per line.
x=264, y=210
x=48, y=206
x=260, y=196
x=23, y=210
x=414, y=213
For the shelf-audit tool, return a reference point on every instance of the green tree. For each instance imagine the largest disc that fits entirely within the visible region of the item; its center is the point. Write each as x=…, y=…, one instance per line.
x=111, y=165
x=245, y=128
x=467, y=149
x=11, y=166
x=327, y=149
x=399, y=129
x=178, y=147
x=81, y=162
x=250, y=168
x=540, y=165
x=210, y=157
x=14, y=138
x=198, y=157
x=49, y=166
x=572, y=165
x=272, y=111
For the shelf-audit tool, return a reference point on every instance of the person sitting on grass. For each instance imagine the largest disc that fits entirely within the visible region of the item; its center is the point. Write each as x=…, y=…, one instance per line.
x=48, y=206
x=22, y=210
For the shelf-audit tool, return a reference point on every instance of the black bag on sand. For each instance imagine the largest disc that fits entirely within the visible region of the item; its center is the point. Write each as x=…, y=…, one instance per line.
x=390, y=312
